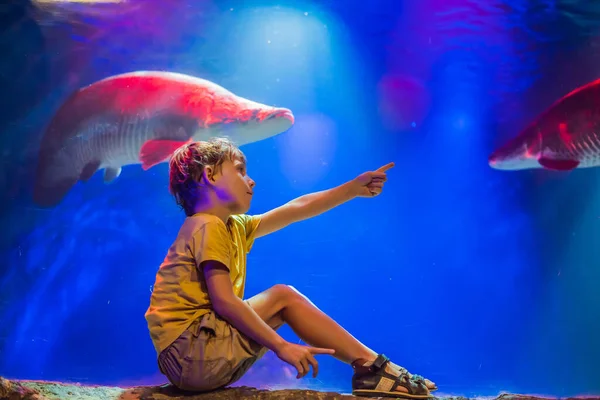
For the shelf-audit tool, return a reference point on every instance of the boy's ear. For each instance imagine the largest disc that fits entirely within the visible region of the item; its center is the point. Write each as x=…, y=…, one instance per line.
x=208, y=174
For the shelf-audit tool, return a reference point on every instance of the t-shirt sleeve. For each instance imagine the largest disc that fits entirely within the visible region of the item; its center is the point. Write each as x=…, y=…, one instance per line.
x=211, y=242
x=251, y=223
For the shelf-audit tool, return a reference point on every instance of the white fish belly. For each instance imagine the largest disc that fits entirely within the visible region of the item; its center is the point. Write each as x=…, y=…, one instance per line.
x=116, y=143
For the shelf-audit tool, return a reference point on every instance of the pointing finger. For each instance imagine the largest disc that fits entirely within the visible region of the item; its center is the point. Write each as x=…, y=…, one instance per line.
x=385, y=167
x=320, y=350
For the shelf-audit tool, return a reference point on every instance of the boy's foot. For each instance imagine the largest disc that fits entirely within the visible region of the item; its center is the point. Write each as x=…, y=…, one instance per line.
x=430, y=385
x=380, y=379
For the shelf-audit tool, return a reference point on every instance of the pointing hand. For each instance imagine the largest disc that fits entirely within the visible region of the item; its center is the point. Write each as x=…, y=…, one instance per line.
x=302, y=357
x=370, y=184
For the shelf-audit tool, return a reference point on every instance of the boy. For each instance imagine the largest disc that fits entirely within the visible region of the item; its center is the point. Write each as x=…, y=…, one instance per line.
x=205, y=335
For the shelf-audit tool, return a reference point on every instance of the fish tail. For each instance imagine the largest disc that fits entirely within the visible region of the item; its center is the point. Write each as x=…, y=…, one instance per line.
x=57, y=172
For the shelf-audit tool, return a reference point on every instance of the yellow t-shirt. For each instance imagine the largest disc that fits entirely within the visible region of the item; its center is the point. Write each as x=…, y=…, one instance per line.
x=180, y=296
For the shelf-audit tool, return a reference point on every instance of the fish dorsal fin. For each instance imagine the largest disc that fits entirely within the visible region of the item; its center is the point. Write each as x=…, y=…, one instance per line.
x=558, y=165
x=156, y=151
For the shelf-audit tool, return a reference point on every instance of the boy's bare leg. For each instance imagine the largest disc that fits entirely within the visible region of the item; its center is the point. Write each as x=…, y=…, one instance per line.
x=284, y=304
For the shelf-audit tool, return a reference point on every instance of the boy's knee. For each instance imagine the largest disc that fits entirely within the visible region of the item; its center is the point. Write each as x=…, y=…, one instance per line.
x=288, y=292
x=281, y=291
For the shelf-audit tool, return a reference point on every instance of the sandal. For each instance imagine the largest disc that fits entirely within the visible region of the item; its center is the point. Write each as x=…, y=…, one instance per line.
x=430, y=385
x=375, y=381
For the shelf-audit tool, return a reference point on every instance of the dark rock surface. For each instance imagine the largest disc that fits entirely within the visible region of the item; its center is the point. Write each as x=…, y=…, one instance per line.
x=38, y=390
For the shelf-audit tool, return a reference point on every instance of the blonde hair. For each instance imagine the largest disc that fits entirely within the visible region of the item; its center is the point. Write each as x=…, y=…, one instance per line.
x=187, y=164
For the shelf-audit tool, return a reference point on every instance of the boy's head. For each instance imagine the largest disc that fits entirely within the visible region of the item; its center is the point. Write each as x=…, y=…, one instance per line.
x=212, y=170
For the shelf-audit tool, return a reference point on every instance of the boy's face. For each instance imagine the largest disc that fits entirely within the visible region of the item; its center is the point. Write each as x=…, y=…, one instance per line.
x=233, y=186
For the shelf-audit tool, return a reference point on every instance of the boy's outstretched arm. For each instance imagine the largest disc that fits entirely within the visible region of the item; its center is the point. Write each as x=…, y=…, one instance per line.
x=368, y=184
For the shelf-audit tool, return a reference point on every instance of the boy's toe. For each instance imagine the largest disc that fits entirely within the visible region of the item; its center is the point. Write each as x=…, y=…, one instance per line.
x=430, y=385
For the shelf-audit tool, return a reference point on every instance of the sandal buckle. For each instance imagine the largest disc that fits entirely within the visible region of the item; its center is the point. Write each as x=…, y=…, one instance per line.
x=380, y=361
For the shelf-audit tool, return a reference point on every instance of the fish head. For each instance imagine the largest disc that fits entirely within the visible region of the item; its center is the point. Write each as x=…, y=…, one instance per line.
x=522, y=152
x=245, y=121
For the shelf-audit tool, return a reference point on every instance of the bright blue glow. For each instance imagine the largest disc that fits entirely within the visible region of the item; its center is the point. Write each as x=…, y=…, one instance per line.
x=480, y=280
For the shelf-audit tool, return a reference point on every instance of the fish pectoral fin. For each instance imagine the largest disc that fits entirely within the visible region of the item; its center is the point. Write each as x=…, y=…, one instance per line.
x=89, y=170
x=558, y=165
x=111, y=173
x=156, y=151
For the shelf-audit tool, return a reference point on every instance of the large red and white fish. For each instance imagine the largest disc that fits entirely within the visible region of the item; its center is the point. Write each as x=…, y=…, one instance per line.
x=141, y=118
x=566, y=136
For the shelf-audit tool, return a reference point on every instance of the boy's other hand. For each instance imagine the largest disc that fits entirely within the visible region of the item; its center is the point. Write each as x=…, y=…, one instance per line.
x=301, y=357
x=370, y=184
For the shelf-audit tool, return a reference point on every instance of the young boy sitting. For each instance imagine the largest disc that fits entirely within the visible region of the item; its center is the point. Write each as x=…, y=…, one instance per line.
x=205, y=335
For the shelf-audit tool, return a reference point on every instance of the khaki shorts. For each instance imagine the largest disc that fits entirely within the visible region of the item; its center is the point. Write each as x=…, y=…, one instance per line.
x=210, y=354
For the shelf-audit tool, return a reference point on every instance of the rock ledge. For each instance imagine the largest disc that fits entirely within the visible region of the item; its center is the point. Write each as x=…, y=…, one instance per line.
x=40, y=390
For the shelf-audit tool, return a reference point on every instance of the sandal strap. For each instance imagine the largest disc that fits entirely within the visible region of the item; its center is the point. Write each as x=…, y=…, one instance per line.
x=382, y=359
x=379, y=379
x=379, y=362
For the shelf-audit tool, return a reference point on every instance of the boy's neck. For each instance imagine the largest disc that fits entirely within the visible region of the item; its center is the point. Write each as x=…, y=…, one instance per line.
x=217, y=210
